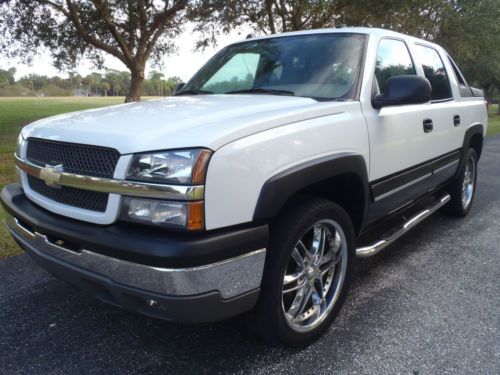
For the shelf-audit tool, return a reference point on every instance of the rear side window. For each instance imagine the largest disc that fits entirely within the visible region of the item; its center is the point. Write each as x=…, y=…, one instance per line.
x=462, y=83
x=393, y=59
x=434, y=71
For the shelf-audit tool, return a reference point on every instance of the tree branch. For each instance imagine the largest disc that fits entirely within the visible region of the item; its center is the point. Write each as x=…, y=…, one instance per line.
x=158, y=26
x=75, y=19
x=162, y=18
x=270, y=16
x=56, y=6
x=131, y=24
x=142, y=15
x=106, y=16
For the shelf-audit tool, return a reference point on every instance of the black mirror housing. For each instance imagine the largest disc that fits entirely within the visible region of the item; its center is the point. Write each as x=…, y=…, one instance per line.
x=407, y=89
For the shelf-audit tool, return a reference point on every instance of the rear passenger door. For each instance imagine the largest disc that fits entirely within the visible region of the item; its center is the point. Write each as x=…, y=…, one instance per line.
x=445, y=112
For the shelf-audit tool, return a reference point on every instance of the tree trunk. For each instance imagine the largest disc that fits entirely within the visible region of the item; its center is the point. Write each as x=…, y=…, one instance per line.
x=134, y=94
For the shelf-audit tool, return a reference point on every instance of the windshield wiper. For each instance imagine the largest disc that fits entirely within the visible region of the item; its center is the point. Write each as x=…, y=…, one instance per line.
x=194, y=92
x=261, y=90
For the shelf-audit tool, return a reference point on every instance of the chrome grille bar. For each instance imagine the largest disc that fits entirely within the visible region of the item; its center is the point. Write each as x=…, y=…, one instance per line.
x=116, y=186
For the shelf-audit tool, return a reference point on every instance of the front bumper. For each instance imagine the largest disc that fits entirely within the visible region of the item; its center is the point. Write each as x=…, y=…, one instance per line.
x=151, y=278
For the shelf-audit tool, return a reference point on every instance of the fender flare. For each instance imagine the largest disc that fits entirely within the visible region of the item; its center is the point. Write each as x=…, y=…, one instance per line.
x=278, y=189
x=469, y=133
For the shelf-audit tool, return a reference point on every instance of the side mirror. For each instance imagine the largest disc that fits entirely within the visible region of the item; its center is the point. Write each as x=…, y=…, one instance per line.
x=410, y=89
x=179, y=87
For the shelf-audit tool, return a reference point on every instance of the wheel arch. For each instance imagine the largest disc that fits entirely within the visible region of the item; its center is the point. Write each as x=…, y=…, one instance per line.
x=473, y=138
x=341, y=178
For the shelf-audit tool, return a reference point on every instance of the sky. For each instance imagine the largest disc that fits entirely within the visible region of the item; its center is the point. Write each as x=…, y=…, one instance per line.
x=183, y=64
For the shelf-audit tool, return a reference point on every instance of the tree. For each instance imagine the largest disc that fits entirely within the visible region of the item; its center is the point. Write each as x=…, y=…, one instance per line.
x=472, y=35
x=131, y=31
x=3, y=83
x=416, y=17
x=264, y=16
x=8, y=75
x=106, y=87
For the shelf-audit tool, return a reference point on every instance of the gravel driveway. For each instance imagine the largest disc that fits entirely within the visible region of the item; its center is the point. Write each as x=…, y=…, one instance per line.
x=428, y=304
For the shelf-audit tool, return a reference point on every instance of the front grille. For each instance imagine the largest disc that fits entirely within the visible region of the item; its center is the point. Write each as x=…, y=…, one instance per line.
x=75, y=158
x=80, y=159
x=86, y=199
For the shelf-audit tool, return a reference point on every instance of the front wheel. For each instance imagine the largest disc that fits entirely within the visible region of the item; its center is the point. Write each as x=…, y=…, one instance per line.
x=307, y=273
x=463, y=189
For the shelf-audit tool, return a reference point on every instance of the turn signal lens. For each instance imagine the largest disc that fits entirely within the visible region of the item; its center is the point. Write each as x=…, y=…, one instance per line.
x=196, y=216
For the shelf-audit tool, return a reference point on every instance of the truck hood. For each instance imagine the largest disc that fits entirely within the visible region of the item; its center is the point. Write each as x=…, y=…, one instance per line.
x=184, y=121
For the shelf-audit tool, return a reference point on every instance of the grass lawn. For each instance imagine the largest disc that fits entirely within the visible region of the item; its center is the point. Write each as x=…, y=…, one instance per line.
x=494, y=120
x=17, y=112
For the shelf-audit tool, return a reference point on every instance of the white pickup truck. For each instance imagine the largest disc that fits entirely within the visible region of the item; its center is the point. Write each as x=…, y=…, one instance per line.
x=257, y=185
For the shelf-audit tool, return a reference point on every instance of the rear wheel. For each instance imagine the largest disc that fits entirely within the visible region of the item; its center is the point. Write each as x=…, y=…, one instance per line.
x=463, y=189
x=307, y=273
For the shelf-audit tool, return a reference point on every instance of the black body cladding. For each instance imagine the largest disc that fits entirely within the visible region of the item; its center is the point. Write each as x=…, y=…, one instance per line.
x=280, y=188
x=381, y=198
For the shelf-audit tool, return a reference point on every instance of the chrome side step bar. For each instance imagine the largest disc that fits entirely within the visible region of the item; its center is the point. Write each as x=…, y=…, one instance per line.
x=375, y=248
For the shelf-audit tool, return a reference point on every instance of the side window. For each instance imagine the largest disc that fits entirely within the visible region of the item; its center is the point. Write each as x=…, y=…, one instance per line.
x=393, y=59
x=462, y=84
x=434, y=71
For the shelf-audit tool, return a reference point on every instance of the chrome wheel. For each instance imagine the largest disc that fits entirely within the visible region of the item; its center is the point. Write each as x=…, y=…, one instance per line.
x=468, y=183
x=314, y=275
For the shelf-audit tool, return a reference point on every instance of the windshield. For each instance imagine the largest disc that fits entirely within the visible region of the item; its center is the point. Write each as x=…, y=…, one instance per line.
x=320, y=66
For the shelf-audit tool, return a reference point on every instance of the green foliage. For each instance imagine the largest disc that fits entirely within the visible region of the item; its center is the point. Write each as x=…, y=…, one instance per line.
x=7, y=76
x=471, y=34
x=112, y=83
x=131, y=31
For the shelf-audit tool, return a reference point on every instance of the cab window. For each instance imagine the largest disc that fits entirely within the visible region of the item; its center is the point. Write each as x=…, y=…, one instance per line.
x=434, y=71
x=393, y=59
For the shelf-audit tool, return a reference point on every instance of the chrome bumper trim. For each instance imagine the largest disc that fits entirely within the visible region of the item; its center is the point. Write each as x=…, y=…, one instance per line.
x=230, y=277
x=116, y=186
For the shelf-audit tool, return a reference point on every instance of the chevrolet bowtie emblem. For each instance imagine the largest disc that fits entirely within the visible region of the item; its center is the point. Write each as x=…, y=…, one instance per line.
x=52, y=174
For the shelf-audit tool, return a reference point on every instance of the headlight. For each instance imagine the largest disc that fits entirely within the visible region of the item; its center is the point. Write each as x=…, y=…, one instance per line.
x=19, y=144
x=186, y=167
x=181, y=215
x=175, y=167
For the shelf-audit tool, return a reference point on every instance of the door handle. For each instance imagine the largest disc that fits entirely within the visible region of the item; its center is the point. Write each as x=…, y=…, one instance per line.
x=456, y=120
x=428, y=125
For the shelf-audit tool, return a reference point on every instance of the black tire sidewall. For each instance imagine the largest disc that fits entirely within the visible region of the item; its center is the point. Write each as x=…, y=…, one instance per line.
x=284, y=235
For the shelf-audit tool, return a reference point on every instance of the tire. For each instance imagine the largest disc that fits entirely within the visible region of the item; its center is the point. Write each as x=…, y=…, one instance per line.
x=304, y=220
x=463, y=189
